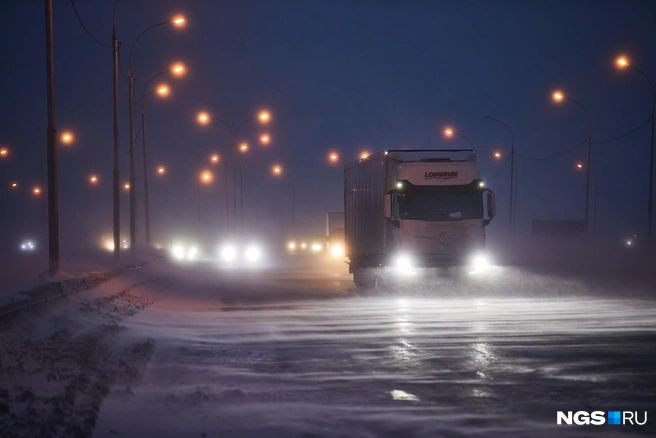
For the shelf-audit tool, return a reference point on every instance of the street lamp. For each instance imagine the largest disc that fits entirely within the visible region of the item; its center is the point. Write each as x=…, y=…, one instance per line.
x=162, y=90
x=14, y=185
x=497, y=155
x=93, y=179
x=4, y=152
x=36, y=190
x=177, y=22
x=243, y=148
x=205, y=118
x=623, y=62
x=334, y=157
x=214, y=159
x=450, y=132
x=559, y=96
x=161, y=170
x=277, y=171
x=126, y=186
x=580, y=166
x=67, y=138
x=205, y=177
x=364, y=155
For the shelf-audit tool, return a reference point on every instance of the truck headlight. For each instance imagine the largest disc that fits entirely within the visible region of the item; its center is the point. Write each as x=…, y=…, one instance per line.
x=480, y=262
x=403, y=261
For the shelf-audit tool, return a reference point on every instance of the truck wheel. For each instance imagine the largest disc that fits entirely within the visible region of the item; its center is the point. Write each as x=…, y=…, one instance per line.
x=364, y=278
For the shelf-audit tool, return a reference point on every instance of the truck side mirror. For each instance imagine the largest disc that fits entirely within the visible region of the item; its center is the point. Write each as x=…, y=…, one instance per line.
x=491, y=205
x=388, y=205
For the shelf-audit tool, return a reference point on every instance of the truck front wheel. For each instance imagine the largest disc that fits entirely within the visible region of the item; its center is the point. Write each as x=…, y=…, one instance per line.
x=364, y=278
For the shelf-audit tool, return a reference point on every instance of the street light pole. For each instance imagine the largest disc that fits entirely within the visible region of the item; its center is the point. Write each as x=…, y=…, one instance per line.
x=133, y=177
x=116, y=184
x=53, y=194
x=145, y=174
x=558, y=96
x=512, y=173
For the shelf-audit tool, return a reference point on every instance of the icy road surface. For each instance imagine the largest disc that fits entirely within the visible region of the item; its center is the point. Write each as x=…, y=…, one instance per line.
x=299, y=354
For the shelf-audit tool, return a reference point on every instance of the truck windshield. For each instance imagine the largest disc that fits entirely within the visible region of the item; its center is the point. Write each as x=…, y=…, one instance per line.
x=440, y=206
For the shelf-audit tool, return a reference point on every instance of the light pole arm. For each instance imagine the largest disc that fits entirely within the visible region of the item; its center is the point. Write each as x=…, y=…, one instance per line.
x=585, y=110
x=143, y=93
x=142, y=34
x=232, y=131
x=653, y=93
x=512, y=136
x=468, y=141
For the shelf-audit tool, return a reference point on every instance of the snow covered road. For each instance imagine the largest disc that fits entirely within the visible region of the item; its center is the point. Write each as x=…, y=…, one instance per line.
x=299, y=354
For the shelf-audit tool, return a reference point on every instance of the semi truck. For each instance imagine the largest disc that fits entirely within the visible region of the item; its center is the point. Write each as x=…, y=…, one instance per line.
x=406, y=210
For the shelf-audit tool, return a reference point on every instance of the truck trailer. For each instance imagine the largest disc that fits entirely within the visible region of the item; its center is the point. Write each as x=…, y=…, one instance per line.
x=411, y=209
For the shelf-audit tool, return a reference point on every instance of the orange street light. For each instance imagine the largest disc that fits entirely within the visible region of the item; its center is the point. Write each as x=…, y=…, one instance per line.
x=178, y=69
x=205, y=177
x=14, y=185
x=364, y=155
x=579, y=165
x=4, y=152
x=37, y=191
x=93, y=179
x=265, y=139
x=497, y=155
x=448, y=132
x=178, y=21
x=277, y=170
x=558, y=96
x=126, y=186
x=163, y=90
x=622, y=62
x=243, y=147
x=67, y=137
x=215, y=158
x=264, y=117
x=161, y=170
x=203, y=118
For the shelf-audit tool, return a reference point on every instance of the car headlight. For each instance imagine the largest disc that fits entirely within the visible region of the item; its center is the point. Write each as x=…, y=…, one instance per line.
x=228, y=253
x=253, y=253
x=178, y=252
x=192, y=253
x=337, y=251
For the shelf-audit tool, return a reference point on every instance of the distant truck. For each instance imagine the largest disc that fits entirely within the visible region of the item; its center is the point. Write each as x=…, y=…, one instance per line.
x=409, y=209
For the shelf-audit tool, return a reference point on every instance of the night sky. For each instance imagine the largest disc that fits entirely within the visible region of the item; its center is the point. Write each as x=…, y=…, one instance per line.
x=336, y=75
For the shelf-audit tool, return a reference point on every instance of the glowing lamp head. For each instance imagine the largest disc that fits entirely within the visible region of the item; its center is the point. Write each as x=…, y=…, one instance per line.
x=291, y=246
x=126, y=186
x=163, y=90
x=214, y=159
x=179, y=21
x=14, y=185
x=178, y=69
x=622, y=62
x=448, y=132
x=36, y=191
x=333, y=157
x=558, y=96
x=203, y=118
x=67, y=138
x=579, y=165
x=4, y=152
x=264, y=117
x=161, y=170
x=364, y=155
x=93, y=179
x=243, y=147
x=277, y=170
x=265, y=139
x=206, y=177
x=497, y=155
